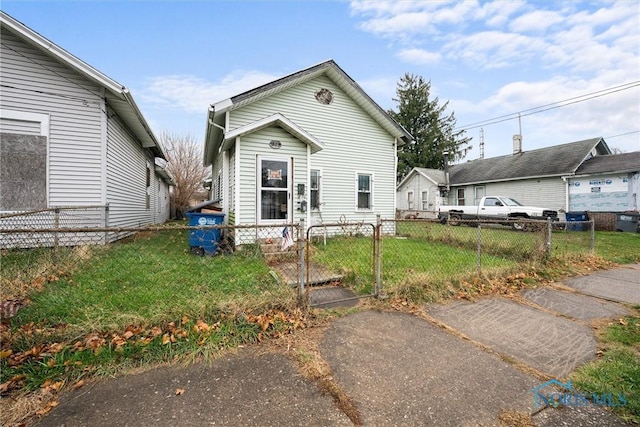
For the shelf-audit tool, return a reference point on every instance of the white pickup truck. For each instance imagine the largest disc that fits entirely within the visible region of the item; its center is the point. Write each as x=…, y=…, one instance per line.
x=496, y=208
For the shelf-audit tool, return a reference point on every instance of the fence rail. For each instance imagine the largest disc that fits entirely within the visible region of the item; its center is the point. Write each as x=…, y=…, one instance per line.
x=344, y=260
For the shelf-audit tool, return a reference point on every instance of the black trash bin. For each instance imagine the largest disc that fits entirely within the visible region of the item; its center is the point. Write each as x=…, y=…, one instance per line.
x=576, y=221
x=628, y=221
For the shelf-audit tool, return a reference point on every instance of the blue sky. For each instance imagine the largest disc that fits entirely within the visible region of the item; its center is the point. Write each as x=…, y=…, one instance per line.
x=487, y=59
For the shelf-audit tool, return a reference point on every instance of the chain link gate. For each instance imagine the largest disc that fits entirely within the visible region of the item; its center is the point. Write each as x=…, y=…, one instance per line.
x=341, y=263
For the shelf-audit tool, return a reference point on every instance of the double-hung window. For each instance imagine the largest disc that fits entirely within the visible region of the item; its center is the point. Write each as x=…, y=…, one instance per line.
x=410, y=200
x=314, y=189
x=364, y=191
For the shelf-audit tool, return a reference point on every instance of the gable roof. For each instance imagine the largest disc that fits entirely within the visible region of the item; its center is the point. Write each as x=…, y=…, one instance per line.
x=279, y=120
x=620, y=163
x=558, y=160
x=118, y=96
x=434, y=175
x=215, y=124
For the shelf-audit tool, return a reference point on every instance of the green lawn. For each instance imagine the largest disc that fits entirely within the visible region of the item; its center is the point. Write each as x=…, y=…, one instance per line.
x=97, y=310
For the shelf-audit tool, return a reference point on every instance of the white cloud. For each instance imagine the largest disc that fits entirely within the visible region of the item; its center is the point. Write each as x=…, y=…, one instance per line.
x=419, y=56
x=493, y=49
x=536, y=21
x=195, y=94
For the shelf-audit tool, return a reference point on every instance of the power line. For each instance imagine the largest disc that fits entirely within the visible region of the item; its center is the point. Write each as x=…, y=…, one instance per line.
x=623, y=134
x=551, y=106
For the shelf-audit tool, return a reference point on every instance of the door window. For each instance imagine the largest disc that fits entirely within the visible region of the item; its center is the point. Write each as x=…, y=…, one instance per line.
x=274, y=189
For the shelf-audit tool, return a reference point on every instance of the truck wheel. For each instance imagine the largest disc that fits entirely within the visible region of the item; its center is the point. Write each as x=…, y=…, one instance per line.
x=454, y=220
x=519, y=225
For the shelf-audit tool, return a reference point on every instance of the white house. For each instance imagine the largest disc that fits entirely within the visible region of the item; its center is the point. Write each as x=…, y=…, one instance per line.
x=311, y=145
x=419, y=194
x=71, y=136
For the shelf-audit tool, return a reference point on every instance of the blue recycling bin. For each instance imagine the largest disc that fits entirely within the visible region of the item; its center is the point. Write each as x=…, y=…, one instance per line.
x=578, y=219
x=206, y=241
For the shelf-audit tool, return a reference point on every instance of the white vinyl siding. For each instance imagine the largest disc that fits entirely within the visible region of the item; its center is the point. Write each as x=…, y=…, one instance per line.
x=352, y=141
x=547, y=193
x=34, y=83
x=257, y=144
x=127, y=167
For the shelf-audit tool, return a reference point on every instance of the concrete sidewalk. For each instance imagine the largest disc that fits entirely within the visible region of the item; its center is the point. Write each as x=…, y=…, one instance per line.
x=397, y=368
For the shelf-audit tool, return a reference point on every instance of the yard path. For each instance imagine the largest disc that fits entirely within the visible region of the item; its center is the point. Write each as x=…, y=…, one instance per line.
x=459, y=364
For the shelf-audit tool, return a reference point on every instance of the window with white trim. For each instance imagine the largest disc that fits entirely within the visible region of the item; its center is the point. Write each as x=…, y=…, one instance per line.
x=460, y=194
x=315, y=189
x=409, y=200
x=364, y=191
x=425, y=200
x=24, y=141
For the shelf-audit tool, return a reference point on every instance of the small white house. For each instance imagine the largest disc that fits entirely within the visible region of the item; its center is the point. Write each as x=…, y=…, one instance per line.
x=419, y=194
x=311, y=145
x=71, y=136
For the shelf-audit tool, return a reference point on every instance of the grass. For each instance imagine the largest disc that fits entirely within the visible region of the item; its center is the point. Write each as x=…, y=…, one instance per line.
x=103, y=310
x=617, y=371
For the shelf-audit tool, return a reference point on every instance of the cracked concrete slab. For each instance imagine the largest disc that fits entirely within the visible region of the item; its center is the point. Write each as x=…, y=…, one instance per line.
x=551, y=344
x=246, y=389
x=575, y=305
x=620, y=284
x=402, y=370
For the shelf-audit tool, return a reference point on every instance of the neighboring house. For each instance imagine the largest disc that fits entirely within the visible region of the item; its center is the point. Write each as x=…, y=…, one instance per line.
x=419, y=194
x=604, y=186
x=312, y=145
x=534, y=178
x=71, y=136
x=580, y=176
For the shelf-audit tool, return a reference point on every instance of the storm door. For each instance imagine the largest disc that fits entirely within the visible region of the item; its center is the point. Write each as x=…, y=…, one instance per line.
x=274, y=195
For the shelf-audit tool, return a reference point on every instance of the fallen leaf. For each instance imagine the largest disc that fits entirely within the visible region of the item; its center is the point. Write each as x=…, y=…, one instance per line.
x=179, y=391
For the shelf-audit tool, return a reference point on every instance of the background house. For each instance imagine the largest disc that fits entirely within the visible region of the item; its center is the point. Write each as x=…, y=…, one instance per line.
x=419, y=194
x=71, y=136
x=604, y=186
x=310, y=145
x=534, y=178
x=581, y=176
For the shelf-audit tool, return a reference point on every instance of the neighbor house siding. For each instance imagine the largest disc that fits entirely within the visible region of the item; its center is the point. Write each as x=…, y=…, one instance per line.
x=352, y=141
x=34, y=83
x=127, y=165
x=544, y=192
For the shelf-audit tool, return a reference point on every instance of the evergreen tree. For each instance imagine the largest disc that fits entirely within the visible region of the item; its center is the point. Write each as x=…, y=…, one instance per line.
x=433, y=131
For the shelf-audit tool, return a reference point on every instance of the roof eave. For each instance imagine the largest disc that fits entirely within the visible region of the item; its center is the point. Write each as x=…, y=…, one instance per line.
x=141, y=129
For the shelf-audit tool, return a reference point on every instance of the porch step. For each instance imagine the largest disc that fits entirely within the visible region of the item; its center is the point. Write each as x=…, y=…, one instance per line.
x=271, y=249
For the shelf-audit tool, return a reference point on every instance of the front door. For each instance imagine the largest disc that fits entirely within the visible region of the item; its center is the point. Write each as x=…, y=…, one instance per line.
x=274, y=190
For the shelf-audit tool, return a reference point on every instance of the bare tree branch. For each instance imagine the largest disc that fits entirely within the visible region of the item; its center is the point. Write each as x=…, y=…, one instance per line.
x=184, y=163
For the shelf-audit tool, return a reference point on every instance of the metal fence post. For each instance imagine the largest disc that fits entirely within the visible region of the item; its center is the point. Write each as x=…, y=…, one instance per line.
x=377, y=240
x=548, y=242
x=56, y=237
x=479, y=249
x=592, y=243
x=106, y=223
x=302, y=295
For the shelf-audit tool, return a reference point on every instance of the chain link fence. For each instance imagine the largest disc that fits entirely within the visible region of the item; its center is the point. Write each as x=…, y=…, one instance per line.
x=319, y=265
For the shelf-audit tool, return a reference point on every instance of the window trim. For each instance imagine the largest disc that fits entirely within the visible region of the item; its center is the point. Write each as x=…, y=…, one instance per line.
x=423, y=200
x=410, y=199
x=458, y=198
x=371, y=191
x=319, y=190
x=44, y=119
